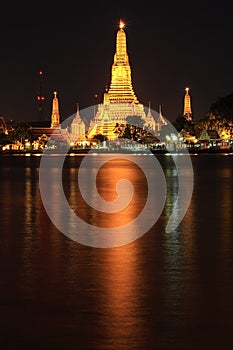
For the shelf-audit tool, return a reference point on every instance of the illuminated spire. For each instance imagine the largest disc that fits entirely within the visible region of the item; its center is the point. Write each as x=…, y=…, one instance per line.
x=121, y=90
x=55, y=117
x=149, y=123
x=77, y=127
x=119, y=100
x=160, y=110
x=161, y=121
x=77, y=118
x=187, y=105
x=149, y=114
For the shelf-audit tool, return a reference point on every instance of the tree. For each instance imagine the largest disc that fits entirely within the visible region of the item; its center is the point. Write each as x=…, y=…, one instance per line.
x=20, y=134
x=223, y=107
x=100, y=138
x=135, y=120
x=181, y=123
x=3, y=139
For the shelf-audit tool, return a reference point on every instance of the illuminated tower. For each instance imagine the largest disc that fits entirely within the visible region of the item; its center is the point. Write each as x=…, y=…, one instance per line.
x=119, y=101
x=121, y=90
x=55, y=117
x=187, y=106
x=40, y=96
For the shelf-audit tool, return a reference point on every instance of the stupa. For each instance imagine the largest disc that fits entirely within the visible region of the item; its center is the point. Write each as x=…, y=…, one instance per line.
x=119, y=100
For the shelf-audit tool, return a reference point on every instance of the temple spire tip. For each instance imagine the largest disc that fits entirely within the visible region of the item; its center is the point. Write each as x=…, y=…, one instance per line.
x=121, y=24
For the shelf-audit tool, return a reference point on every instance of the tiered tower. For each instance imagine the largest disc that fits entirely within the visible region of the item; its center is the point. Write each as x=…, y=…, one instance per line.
x=121, y=89
x=119, y=100
x=55, y=117
x=187, y=106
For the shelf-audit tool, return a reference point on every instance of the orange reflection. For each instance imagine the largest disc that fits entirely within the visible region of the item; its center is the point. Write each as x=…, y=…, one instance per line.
x=107, y=178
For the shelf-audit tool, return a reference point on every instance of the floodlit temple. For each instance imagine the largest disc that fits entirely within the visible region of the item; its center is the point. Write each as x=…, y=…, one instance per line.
x=119, y=103
x=120, y=100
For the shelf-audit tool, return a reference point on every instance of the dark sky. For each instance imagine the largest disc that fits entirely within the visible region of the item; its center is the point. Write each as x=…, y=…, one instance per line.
x=171, y=45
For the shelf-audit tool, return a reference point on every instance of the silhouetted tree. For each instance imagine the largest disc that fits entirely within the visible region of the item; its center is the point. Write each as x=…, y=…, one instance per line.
x=100, y=138
x=223, y=107
x=135, y=120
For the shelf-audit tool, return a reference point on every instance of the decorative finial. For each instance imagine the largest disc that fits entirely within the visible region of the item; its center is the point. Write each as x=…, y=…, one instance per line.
x=55, y=94
x=148, y=106
x=187, y=90
x=121, y=24
x=160, y=109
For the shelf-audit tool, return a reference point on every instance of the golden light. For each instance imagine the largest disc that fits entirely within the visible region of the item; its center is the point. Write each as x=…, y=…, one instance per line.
x=121, y=24
x=187, y=89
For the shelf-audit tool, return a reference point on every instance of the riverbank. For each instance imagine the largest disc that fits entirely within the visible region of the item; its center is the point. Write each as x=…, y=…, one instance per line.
x=127, y=151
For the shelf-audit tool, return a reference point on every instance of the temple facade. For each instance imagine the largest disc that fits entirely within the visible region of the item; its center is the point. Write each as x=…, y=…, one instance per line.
x=119, y=100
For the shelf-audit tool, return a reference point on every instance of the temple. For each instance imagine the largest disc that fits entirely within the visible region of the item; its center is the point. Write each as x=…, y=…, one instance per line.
x=187, y=106
x=119, y=107
x=119, y=100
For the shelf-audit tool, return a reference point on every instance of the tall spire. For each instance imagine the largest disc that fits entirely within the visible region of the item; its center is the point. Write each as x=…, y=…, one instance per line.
x=187, y=105
x=149, y=114
x=119, y=100
x=121, y=90
x=77, y=127
x=77, y=117
x=149, y=123
x=55, y=117
x=161, y=121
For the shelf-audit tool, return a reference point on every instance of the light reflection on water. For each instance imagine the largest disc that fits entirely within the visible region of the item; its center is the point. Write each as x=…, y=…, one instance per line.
x=165, y=291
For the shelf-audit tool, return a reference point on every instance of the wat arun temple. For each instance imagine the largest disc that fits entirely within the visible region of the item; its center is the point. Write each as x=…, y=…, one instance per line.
x=120, y=100
x=119, y=103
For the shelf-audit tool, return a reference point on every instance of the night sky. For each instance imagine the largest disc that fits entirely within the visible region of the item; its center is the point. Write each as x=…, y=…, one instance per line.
x=170, y=46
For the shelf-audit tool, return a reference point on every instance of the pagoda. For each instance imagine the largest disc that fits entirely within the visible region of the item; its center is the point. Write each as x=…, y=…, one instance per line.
x=119, y=100
x=55, y=117
x=187, y=106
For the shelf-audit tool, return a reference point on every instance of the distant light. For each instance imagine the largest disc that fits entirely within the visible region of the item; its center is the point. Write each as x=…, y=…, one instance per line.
x=95, y=95
x=40, y=72
x=38, y=98
x=187, y=89
x=42, y=97
x=121, y=24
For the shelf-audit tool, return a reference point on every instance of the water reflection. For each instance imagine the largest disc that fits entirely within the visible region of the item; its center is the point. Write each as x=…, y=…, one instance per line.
x=106, y=181
x=162, y=291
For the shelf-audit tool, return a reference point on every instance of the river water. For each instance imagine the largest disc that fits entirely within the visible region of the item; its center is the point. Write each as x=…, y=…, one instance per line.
x=162, y=291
